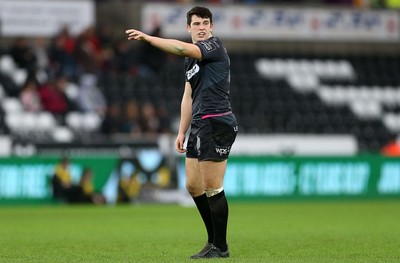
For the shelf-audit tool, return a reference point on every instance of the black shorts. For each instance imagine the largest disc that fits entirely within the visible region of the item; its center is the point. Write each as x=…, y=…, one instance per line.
x=211, y=138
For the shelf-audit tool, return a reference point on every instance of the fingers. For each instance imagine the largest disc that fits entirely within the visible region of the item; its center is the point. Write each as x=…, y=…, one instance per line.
x=179, y=146
x=181, y=150
x=133, y=34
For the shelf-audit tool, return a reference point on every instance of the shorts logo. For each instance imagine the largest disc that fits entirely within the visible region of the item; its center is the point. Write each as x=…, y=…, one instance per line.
x=222, y=150
x=190, y=73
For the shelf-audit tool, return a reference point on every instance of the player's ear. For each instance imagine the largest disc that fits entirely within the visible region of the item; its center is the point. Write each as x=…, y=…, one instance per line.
x=188, y=28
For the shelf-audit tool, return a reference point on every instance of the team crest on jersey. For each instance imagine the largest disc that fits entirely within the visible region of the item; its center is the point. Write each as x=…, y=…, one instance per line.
x=190, y=73
x=208, y=45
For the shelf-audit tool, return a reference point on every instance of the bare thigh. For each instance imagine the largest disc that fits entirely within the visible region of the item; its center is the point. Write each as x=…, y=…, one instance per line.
x=212, y=174
x=204, y=175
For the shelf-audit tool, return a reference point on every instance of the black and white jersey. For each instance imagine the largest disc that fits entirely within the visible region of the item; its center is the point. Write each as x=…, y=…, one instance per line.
x=209, y=79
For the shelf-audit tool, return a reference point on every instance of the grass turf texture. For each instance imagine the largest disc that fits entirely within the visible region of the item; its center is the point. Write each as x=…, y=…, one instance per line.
x=357, y=231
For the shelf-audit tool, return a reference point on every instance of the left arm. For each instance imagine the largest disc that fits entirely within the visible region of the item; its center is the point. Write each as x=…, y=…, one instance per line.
x=172, y=46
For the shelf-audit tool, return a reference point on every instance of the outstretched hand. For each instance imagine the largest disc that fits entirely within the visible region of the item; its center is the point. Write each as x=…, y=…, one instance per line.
x=134, y=34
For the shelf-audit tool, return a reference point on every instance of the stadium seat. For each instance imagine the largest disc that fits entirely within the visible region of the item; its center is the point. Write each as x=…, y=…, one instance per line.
x=19, y=76
x=62, y=135
x=74, y=120
x=72, y=91
x=14, y=121
x=392, y=122
x=366, y=109
x=91, y=121
x=29, y=121
x=83, y=122
x=7, y=65
x=45, y=121
x=12, y=105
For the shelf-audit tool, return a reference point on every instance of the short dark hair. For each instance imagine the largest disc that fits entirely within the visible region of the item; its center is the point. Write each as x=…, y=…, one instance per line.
x=199, y=11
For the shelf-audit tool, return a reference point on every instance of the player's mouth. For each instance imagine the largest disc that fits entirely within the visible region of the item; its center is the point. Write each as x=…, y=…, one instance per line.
x=202, y=34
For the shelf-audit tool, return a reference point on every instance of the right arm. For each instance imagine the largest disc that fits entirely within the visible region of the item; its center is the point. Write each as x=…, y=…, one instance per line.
x=186, y=117
x=172, y=46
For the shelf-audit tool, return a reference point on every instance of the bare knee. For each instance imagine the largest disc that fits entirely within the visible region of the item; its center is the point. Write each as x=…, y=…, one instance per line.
x=194, y=190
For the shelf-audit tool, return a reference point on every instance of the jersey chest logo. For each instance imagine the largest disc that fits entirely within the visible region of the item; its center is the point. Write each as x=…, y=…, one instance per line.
x=190, y=73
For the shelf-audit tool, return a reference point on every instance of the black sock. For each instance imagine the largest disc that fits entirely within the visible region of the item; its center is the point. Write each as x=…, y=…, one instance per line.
x=219, y=210
x=205, y=212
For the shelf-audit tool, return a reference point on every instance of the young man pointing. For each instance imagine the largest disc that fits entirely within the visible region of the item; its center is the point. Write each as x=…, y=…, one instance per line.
x=206, y=109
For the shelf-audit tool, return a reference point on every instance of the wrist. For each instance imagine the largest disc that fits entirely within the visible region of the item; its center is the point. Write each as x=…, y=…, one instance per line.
x=148, y=39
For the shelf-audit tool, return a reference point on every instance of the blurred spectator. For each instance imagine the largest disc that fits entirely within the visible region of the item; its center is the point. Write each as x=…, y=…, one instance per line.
x=124, y=60
x=128, y=188
x=29, y=96
x=53, y=98
x=112, y=122
x=105, y=36
x=9, y=86
x=23, y=54
x=61, y=54
x=106, y=40
x=392, y=149
x=165, y=121
x=132, y=120
x=87, y=192
x=68, y=42
x=41, y=53
x=87, y=52
x=151, y=59
x=63, y=187
x=90, y=98
x=151, y=121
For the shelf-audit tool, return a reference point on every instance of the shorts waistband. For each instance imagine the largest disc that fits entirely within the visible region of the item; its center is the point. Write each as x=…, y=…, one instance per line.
x=215, y=115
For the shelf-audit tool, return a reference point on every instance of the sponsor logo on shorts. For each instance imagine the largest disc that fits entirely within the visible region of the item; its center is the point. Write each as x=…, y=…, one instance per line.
x=221, y=150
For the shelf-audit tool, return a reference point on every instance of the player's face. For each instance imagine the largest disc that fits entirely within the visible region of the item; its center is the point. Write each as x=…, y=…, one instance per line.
x=200, y=28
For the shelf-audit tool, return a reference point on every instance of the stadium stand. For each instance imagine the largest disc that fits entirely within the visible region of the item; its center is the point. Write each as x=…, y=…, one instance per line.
x=273, y=94
x=279, y=93
x=342, y=95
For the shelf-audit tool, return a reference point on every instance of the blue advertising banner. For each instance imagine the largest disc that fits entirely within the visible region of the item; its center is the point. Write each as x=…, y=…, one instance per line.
x=310, y=177
x=254, y=177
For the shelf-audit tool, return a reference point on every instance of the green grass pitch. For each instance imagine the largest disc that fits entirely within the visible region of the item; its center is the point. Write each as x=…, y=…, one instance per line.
x=324, y=231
